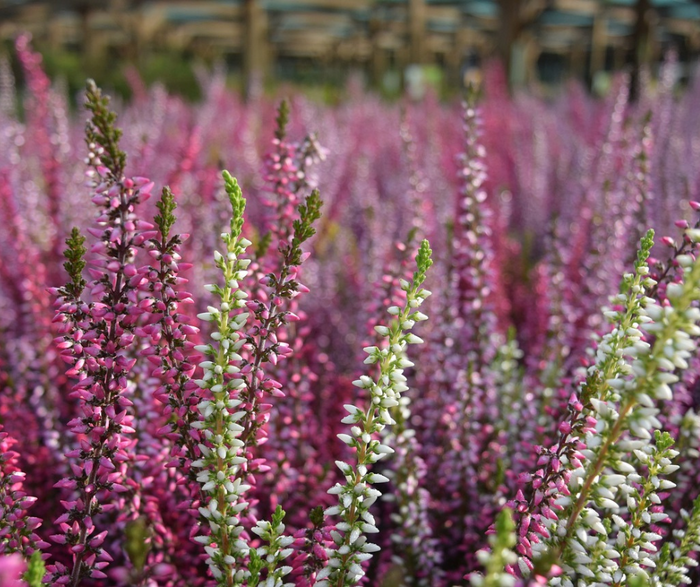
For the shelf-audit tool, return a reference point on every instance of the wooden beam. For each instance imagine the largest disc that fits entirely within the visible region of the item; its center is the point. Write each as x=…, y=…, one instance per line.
x=378, y=56
x=321, y=4
x=215, y=10
x=589, y=7
x=416, y=26
x=227, y=34
x=437, y=43
x=683, y=27
x=451, y=13
x=623, y=14
x=463, y=41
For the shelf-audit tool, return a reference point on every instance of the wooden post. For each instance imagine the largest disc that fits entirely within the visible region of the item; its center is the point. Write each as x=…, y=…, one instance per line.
x=641, y=44
x=378, y=59
x=508, y=31
x=378, y=62
x=416, y=26
x=84, y=11
x=577, y=60
x=532, y=55
x=456, y=57
x=255, y=50
x=599, y=43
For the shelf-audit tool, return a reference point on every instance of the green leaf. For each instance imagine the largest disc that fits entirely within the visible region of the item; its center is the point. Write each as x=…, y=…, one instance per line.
x=638, y=581
x=255, y=566
x=664, y=440
x=35, y=571
x=505, y=530
x=278, y=516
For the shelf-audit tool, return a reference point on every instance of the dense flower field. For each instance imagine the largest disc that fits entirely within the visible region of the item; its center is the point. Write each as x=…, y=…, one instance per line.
x=209, y=380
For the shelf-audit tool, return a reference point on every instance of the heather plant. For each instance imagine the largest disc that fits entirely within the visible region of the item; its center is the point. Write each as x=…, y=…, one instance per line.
x=195, y=410
x=96, y=338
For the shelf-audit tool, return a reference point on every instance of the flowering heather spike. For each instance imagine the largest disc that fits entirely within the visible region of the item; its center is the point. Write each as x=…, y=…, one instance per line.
x=559, y=327
x=287, y=178
x=102, y=135
x=270, y=556
x=636, y=535
x=628, y=407
x=470, y=448
x=168, y=445
x=169, y=329
x=551, y=481
x=294, y=434
x=17, y=528
x=228, y=463
x=414, y=550
x=674, y=560
x=95, y=340
x=221, y=458
x=473, y=270
x=414, y=547
x=42, y=123
x=499, y=556
x=269, y=318
x=357, y=495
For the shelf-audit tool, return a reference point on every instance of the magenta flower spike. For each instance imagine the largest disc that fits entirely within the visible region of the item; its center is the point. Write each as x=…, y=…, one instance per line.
x=96, y=339
x=17, y=528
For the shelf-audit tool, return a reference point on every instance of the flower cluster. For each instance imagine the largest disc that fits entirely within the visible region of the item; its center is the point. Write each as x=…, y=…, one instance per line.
x=221, y=460
x=95, y=341
x=546, y=433
x=356, y=496
x=233, y=412
x=17, y=528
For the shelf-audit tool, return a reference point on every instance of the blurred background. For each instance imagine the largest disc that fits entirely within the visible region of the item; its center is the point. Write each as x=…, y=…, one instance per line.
x=392, y=46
